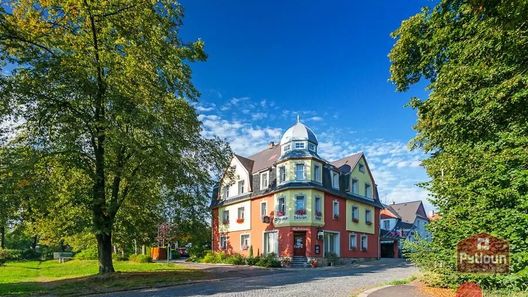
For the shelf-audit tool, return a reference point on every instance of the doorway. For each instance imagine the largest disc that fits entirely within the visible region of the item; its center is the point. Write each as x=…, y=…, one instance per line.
x=299, y=244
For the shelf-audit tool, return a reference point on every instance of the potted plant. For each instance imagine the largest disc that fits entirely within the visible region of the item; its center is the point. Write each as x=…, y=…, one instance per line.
x=300, y=212
x=331, y=258
x=225, y=222
x=240, y=221
x=280, y=213
x=286, y=262
x=312, y=263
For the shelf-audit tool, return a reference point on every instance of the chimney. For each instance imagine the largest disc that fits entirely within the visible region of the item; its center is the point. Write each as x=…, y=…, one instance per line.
x=271, y=144
x=393, y=202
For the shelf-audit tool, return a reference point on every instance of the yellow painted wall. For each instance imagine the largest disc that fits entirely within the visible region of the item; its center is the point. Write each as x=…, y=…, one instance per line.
x=290, y=218
x=362, y=178
x=360, y=226
x=308, y=167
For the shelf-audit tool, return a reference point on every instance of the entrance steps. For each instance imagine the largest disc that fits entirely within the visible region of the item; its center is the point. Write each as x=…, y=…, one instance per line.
x=299, y=262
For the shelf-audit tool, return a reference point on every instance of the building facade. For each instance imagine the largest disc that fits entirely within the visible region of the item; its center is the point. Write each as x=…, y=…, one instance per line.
x=289, y=201
x=400, y=222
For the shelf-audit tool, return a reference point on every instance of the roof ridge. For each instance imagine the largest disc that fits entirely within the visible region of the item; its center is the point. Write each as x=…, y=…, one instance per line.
x=348, y=156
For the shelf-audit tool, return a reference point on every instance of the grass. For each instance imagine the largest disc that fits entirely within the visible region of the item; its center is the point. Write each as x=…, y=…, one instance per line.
x=80, y=277
x=400, y=282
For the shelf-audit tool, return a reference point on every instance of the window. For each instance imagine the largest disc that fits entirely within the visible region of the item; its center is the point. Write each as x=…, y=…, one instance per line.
x=223, y=242
x=311, y=147
x=263, y=209
x=355, y=214
x=281, y=210
x=386, y=225
x=282, y=174
x=240, y=187
x=335, y=180
x=347, y=183
x=335, y=209
x=368, y=217
x=299, y=145
x=364, y=242
x=317, y=173
x=318, y=210
x=361, y=168
x=299, y=205
x=226, y=191
x=299, y=171
x=355, y=186
x=263, y=180
x=271, y=243
x=331, y=243
x=225, y=217
x=367, y=191
x=240, y=214
x=287, y=147
x=244, y=241
x=352, y=241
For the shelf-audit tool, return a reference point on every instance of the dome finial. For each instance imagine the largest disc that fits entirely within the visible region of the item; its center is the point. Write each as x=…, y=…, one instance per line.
x=298, y=118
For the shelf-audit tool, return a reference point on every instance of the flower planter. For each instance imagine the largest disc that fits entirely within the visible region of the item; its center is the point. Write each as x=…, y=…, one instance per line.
x=240, y=221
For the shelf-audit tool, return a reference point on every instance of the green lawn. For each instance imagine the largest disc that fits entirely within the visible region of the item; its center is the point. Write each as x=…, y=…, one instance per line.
x=80, y=277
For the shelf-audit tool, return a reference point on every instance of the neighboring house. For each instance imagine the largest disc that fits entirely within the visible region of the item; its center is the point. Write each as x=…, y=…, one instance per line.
x=289, y=201
x=402, y=221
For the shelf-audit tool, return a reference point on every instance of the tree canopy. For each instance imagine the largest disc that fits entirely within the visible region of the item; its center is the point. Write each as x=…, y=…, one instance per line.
x=104, y=88
x=474, y=122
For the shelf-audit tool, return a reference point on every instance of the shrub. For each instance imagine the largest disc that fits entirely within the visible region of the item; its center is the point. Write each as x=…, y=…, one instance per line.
x=119, y=257
x=87, y=254
x=252, y=260
x=175, y=254
x=212, y=257
x=140, y=258
x=332, y=258
x=236, y=259
x=269, y=261
x=12, y=255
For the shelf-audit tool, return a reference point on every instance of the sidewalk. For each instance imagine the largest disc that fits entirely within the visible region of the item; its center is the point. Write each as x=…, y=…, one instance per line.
x=398, y=291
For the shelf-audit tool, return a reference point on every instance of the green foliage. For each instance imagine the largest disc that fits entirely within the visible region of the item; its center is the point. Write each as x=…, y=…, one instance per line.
x=105, y=94
x=14, y=254
x=251, y=251
x=212, y=257
x=474, y=125
x=270, y=260
x=88, y=254
x=252, y=260
x=236, y=259
x=140, y=258
x=332, y=258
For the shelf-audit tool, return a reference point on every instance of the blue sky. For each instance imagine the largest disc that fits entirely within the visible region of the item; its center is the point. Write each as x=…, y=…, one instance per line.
x=324, y=60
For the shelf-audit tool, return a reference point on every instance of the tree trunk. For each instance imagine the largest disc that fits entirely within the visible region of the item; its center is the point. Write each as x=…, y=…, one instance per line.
x=2, y=231
x=104, y=246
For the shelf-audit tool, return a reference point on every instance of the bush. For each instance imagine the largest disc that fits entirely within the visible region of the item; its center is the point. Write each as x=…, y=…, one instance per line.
x=252, y=261
x=236, y=259
x=119, y=257
x=87, y=254
x=332, y=258
x=11, y=255
x=212, y=257
x=175, y=254
x=269, y=261
x=140, y=258
x=197, y=251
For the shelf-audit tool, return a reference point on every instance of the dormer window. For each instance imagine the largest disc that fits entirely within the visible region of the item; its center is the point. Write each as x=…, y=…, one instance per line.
x=299, y=145
x=287, y=147
x=335, y=180
x=311, y=147
x=264, y=181
x=282, y=174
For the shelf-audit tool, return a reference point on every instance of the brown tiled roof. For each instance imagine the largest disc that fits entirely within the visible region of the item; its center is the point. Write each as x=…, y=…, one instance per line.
x=247, y=163
x=348, y=160
x=409, y=210
x=265, y=158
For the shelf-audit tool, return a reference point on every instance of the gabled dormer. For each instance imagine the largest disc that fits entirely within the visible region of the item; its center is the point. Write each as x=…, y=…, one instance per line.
x=237, y=181
x=357, y=177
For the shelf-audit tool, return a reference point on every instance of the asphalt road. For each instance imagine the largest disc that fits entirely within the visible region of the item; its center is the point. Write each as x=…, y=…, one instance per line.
x=248, y=281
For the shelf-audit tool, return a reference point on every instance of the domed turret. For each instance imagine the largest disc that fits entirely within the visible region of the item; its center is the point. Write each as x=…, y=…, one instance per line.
x=299, y=137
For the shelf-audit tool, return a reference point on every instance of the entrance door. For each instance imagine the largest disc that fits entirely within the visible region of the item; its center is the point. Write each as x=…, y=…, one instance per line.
x=299, y=244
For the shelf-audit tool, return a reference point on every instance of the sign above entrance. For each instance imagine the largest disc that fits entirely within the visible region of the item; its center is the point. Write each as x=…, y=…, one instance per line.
x=299, y=229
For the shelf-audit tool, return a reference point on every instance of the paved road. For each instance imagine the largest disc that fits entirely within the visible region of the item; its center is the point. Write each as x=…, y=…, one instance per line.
x=248, y=281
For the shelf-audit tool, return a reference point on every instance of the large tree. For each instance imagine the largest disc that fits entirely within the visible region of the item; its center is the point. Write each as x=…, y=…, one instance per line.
x=106, y=86
x=473, y=55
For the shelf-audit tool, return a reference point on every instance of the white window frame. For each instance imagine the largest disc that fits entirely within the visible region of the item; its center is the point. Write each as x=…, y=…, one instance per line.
x=225, y=211
x=287, y=147
x=242, y=242
x=276, y=246
x=299, y=145
x=335, y=180
x=243, y=213
x=241, y=191
x=368, y=216
x=220, y=245
x=318, y=207
x=337, y=244
x=263, y=206
x=355, y=210
x=368, y=190
x=364, y=239
x=303, y=202
x=317, y=172
x=335, y=208
x=263, y=185
x=303, y=177
x=225, y=193
x=352, y=243
x=354, y=185
x=279, y=205
x=282, y=178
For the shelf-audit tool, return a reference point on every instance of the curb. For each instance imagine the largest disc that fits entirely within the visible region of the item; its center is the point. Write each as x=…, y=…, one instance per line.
x=369, y=291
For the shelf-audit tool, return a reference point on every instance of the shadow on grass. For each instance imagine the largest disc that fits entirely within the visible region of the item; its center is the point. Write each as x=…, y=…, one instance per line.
x=102, y=284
